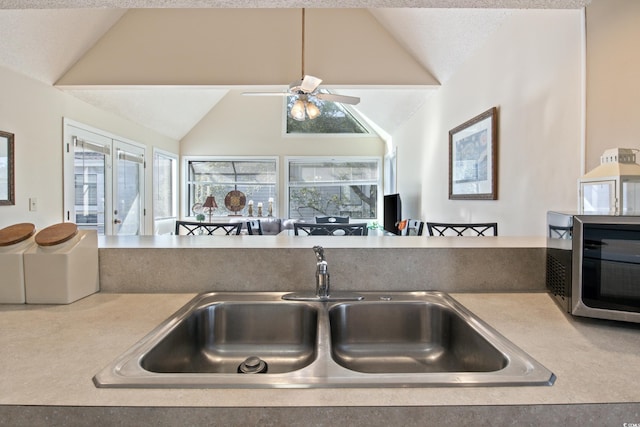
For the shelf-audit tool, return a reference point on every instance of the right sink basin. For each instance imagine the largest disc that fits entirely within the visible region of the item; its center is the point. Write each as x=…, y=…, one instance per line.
x=408, y=337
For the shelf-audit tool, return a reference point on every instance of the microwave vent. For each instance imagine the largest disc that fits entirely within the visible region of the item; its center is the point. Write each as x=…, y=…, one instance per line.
x=556, y=276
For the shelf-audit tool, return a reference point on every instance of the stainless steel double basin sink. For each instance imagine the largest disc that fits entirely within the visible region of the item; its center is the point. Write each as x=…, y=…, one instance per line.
x=259, y=340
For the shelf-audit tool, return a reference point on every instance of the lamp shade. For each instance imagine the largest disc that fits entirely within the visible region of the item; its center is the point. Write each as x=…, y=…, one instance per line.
x=210, y=202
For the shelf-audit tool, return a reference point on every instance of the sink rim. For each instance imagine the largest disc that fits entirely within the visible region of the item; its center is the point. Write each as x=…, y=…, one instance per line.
x=126, y=371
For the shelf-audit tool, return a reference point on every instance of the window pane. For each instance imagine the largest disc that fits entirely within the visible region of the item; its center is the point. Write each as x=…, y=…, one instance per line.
x=164, y=179
x=333, y=187
x=332, y=172
x=255, y=178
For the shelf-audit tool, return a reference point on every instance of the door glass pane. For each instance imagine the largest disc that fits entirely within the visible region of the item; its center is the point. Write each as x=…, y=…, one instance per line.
x=127, y=196
x=89, y=172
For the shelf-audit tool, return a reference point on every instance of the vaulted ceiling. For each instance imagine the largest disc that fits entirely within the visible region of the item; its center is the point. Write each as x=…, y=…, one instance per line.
x=66, y=43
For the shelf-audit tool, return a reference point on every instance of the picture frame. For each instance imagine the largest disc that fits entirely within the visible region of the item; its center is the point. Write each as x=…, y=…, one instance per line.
x=7, y=180
x=473, y=148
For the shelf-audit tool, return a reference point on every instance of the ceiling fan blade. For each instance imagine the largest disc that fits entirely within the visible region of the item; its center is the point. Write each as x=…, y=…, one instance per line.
x=310, y=83
x=266, y=93
x=343, y=99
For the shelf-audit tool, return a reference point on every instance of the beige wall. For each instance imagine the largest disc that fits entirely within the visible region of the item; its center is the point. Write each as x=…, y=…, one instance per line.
x=34, y=112
x=613, y=77
x=242, y=125
x=533, y=76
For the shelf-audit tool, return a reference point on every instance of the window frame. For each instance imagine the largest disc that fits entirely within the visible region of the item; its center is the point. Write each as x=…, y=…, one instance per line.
x=184, y=202
x=315, y=159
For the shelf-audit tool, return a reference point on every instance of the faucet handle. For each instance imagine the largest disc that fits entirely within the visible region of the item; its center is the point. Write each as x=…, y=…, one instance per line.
x=319, y=251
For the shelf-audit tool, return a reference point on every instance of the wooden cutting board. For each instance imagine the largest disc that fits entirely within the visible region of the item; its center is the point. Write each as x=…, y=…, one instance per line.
x=16, y=233
x=56, y=234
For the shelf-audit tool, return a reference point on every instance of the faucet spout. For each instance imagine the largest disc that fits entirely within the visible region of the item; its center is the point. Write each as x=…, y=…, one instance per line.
x=323, y=289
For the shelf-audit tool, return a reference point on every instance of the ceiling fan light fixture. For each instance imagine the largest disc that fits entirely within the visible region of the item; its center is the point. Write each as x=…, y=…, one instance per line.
x=312, y=110
x=298, y=111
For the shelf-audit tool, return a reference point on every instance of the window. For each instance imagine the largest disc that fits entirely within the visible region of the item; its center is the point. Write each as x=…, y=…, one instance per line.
x=342, y=187
x=256, y=178
x=165, y=182
x=334, y=118
x=165, y=191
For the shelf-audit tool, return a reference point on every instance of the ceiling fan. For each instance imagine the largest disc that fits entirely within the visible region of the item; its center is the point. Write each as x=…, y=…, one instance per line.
x=306, y=89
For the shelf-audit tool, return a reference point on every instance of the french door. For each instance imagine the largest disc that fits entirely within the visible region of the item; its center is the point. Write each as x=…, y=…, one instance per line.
x=104, y=182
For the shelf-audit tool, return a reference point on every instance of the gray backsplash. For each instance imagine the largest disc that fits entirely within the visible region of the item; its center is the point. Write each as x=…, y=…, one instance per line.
x=179, y=270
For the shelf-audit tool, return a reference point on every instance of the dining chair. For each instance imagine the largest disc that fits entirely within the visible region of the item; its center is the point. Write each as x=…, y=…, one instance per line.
x=332, y=220
x=410, y=227
x=209, y=228
x=462, y=229
x=560, y=231
x=254, y=227
x=359, y=229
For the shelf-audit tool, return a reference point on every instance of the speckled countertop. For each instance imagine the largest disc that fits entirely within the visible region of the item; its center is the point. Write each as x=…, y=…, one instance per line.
x=49, y=354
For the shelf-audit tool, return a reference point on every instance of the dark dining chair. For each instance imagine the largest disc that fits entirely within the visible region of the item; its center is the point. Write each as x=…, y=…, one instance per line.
x=330, y=229
x=332, y=220
x=470, y=229
x=410, y=227
x=209, y=228
x=254, y=227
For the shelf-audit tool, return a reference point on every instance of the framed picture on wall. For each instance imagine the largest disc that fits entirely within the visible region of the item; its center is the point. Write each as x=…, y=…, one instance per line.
x=473, y=150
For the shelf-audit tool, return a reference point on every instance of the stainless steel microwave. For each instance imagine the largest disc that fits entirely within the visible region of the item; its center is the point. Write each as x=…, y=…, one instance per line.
x=593, y=265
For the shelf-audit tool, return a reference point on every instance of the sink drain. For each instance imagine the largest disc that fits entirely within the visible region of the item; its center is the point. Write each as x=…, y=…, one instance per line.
x=253, y=365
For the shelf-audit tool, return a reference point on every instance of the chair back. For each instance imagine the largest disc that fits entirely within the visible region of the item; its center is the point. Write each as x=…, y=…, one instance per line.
x=254, y=227
x=208, y=228
x=410, y=227
x=332, y=220
x=561, y=231
x=330, y=229
x=470, y=229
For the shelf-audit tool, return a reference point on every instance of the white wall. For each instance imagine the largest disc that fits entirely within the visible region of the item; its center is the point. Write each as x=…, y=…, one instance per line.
x=242, y=125
x=531, y=70
x=33, y=112
x=613, y=86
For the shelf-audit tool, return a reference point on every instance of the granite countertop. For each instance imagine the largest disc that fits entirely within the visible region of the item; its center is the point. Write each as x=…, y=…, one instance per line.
x=49, y=354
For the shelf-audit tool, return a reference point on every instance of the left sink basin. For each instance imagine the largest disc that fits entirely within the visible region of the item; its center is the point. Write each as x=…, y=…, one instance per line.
x=206, y=342
x=217, y=338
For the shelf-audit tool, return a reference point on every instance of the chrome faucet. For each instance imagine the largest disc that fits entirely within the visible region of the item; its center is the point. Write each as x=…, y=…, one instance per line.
x=323, y=292
x=323, y=289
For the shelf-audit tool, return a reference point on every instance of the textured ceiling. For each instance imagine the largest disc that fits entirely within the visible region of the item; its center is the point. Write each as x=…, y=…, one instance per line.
x=506, y=4
x=44, y=44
